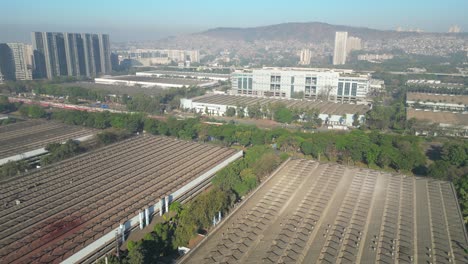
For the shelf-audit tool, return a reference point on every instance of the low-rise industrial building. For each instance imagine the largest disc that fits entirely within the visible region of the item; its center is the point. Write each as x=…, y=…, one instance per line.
x=443, y=102
x=311, y=212
x=186, y=74
x=449, y=123
x=448, y=112
x=28, y=139
x=149, y=81
x=79, y=209
x=330, y=113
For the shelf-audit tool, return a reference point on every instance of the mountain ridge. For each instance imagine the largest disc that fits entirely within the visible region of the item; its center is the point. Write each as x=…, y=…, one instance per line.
x=302, y=31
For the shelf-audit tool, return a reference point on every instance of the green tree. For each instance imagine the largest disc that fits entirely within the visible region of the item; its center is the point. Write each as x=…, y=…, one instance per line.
x=231, y=111
x=5, y=105
x=13, y=168
x=461, y=187
x=58, y=152
x=32, y=111
x=439, y=169
x=356, y=121
x=255, y=111
x=283, y=115
x=456, y=154
x=138, y=255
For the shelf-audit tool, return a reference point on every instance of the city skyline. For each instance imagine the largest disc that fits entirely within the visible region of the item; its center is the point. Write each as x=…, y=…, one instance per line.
x=150, y=20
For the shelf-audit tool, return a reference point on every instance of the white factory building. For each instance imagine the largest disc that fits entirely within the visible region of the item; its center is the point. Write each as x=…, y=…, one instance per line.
x=330, y=113
x=324, y=84
x=186, y=74
x=149, y=81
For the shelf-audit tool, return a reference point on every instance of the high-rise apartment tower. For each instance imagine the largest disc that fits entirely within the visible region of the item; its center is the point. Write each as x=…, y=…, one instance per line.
x=340, y=52
x=15, y=61
x=71, y=54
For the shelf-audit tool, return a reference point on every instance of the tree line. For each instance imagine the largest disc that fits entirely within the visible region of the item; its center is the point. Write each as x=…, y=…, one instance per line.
x=309, y=117
x=371, y=148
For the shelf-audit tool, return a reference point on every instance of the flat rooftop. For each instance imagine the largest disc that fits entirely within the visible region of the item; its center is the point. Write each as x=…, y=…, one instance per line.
x=438, y=117
x=177, y=81
x=52, y=213
x=310, y=212
x=438, y=98
x=116, y=89
x=305, y=69
x=189, y=73
x=25, y=136
x=323, y=106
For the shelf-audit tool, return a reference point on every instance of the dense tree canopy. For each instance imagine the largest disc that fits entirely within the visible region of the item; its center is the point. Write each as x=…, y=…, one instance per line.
x=6, y=106
x=32, y=111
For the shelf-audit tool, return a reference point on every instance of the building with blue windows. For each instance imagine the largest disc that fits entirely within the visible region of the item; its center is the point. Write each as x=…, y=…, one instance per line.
x=302, y=83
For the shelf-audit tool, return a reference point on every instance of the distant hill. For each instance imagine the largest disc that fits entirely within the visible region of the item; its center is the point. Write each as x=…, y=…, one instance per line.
x=304, y=32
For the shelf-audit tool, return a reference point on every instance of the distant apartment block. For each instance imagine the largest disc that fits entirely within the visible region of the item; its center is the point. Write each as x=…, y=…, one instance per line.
x=149, y=57
x=15, y=61
x=340, y=51
x=71, y=54
x=323, y=84
x=353, y=43
x=305, y=57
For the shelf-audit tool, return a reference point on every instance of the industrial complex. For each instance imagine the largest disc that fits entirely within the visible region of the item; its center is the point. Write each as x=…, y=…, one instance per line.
x=69, y=211
x=448, y=112
x=441, y=102
x=186, y=74
x=149, y=81
x=309, y=212
x=116, y=89
x=325, y=84
x=28, y=139
x=331, y=112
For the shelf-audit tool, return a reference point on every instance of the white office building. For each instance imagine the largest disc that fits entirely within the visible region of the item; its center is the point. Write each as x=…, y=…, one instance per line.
x=309, y=83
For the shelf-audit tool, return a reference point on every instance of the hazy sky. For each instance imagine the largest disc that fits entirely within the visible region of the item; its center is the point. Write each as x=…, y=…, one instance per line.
x=153, y=19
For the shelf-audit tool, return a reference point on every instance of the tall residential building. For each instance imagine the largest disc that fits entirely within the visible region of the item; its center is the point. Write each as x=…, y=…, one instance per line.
x=339, y=56
x=15, y=61
x=323, y=84
x=305, y=57
x=353, y=43
x=71, y=54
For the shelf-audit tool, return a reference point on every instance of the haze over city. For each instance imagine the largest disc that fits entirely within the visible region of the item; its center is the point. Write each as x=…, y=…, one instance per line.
x=151, y=20
x=179, y=132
